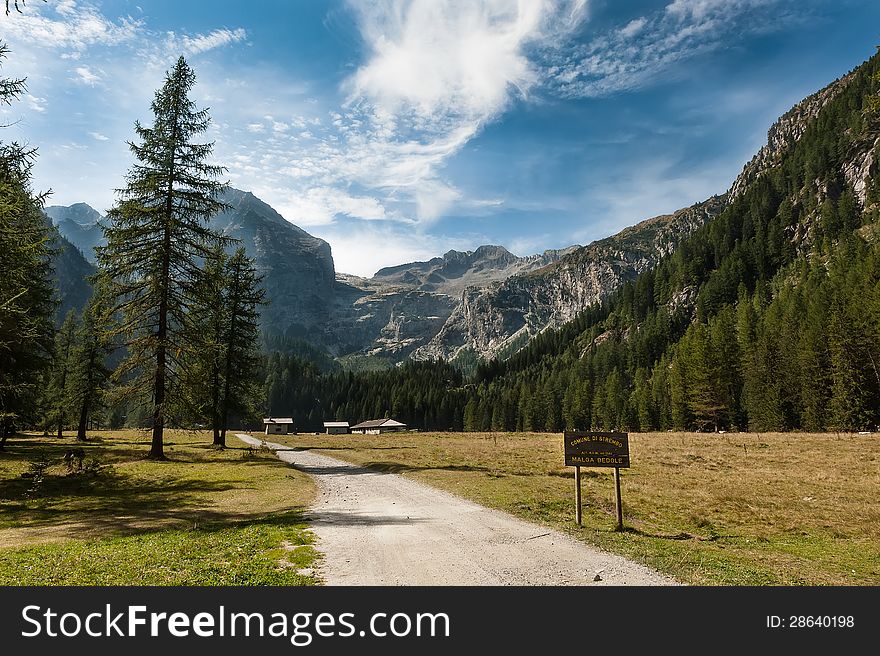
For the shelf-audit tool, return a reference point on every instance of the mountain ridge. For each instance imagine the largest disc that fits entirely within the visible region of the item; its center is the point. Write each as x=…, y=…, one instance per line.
x=485, y=303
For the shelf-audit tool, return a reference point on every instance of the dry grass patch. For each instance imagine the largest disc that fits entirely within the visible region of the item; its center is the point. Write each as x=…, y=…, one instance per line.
x=729, y=509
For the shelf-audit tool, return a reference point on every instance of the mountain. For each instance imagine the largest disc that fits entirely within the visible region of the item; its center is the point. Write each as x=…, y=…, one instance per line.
x=384, y=318
x=455, y=271
x=300, y=279
x=483, y=303
x=814, y=174
x=79, y=225
x=486, y=302
x=80, y=213
x=499, y=319
x=70, y=271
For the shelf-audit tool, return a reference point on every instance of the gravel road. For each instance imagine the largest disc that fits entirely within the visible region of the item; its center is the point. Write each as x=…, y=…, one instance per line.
x=383, y=529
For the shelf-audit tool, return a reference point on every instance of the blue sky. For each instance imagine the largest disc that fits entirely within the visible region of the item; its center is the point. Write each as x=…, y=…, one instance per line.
x=398, y=129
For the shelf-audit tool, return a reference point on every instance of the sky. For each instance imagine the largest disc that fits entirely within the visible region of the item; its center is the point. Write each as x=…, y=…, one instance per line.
x=400, y=129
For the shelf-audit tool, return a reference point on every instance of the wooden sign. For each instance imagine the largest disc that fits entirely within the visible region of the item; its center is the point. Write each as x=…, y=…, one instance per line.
x=595, y=449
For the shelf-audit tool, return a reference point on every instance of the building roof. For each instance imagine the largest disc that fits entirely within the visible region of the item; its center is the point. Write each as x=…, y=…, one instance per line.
x=278, y=420
x=377, y=423
x=335, y=424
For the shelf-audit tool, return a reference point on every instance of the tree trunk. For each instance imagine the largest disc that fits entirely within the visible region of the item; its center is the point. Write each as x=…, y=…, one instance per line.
x=87, y=400
x=224, y=403
x=157, y=448
x=83, y=420
x=60, y=424
x=215, y=403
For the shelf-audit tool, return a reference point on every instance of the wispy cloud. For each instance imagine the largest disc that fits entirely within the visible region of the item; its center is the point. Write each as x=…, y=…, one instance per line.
x=71, y=26
x=645, y=50
x=436, y=72
x=199, y=43
x=85, y=75
x=36, y=104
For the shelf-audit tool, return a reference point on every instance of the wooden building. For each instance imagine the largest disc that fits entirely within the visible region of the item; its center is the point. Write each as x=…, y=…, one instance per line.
x=378, y=426
x=278, y=425
x=336, y=427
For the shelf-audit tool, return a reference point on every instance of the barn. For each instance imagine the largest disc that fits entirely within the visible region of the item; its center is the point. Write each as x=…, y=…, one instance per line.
x=278, y=425
x=378, y=426
x=336, y=427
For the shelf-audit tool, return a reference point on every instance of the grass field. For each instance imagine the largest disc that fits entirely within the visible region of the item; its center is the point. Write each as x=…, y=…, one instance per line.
x=206, y=517
x=729, y=509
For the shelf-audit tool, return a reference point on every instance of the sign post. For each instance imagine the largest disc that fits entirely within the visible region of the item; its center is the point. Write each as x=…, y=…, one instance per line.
x=619, y=504
x=597, y=449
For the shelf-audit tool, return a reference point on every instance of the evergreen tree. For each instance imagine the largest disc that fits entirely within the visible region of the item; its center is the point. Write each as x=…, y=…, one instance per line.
x=202, y=367
x=58, y=392
x=243, y=295
x=156, y=239
x=89, y=373
x=26, y=292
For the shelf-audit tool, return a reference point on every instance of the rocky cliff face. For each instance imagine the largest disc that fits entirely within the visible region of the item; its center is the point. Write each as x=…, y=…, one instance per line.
x=858, y=164
x=488, y=301
x=452, y=273
x=300, y=279
x=498, y=320
x=786, y=132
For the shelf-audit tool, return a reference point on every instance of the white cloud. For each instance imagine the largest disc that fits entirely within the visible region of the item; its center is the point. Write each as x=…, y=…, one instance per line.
x=73, y=27
x=437, y=71
x=85, y=75
x=322, y=205
x=646, y=49
x=97, y=136
x=633, y=27
x=194, y=45
x=36, y=104
x=66, y=7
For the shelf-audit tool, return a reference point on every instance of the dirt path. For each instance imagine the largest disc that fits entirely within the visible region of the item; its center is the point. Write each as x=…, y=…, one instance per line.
x=383, y=529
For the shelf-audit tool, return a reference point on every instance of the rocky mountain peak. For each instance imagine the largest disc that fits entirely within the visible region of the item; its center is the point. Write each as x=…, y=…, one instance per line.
x=786, y=132
x=80, y=213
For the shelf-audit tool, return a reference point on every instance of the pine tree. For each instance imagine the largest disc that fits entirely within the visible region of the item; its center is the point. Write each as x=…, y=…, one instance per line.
x=243, y=295
x=89, y=373
x=156, y=238
x=27, y=301
x=202, y=367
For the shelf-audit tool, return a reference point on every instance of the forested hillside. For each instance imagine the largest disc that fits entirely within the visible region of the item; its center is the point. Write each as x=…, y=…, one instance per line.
x=766, y=318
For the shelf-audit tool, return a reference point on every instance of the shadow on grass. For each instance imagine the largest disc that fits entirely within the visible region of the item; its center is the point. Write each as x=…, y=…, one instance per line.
x=397, y=467
x=113, y=502
x=347, y=448
x=109, y=503
x=684, y=535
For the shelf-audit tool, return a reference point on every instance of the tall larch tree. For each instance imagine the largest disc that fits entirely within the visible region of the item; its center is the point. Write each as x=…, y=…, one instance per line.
x=157, y=237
